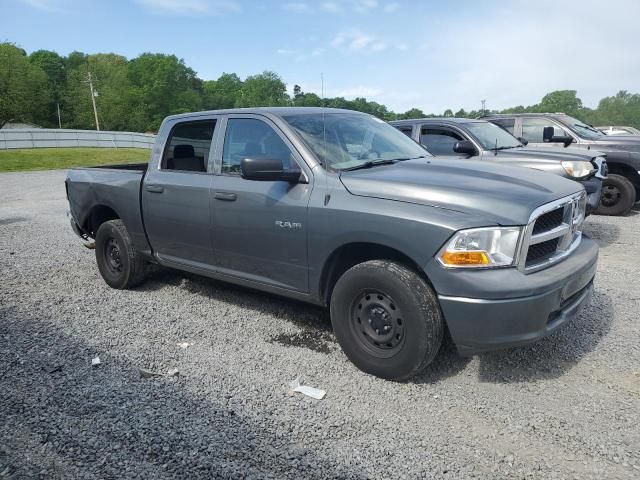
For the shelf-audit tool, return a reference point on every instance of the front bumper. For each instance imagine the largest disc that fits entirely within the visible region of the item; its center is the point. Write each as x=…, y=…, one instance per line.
x=593, y=186
x=533, y=306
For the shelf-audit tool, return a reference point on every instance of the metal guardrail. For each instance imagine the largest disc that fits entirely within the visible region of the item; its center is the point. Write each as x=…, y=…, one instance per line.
x=55, y=138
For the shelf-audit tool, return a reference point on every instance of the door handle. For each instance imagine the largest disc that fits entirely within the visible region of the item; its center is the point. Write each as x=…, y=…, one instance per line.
x=154, y=188
x=229, y=197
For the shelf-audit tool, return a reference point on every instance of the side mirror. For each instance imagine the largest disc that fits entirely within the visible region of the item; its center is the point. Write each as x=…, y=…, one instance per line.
x=268, y=170
x=547, y=134
x=466, y=147
x=549, y=137
x=523, y=141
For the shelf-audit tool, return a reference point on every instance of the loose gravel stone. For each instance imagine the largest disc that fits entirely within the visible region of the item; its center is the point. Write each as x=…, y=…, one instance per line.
x=565, y=407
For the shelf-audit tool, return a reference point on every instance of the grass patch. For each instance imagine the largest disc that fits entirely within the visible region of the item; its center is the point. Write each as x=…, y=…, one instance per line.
x=55, y=158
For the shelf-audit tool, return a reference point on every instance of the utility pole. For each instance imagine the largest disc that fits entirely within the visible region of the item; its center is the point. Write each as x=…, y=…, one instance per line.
x=89, y=80
x=484, y=102
x=59, y=120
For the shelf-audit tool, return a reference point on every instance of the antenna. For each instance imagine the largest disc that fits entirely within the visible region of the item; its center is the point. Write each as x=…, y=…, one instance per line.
x=327, y=194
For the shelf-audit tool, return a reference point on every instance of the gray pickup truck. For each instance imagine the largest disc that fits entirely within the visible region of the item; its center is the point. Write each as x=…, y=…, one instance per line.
x=340, y=209
x=621, y=189
x=482, y=140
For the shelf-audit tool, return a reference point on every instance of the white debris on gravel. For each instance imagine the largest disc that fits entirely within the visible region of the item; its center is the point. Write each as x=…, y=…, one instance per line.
x=565, y=407
x=95, y=361
x=296, y=386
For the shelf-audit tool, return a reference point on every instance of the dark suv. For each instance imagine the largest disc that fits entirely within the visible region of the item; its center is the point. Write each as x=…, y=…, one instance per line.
x=622, y=187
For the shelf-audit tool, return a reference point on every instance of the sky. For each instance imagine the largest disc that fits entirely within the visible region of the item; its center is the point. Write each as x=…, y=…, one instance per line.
x=428, y=54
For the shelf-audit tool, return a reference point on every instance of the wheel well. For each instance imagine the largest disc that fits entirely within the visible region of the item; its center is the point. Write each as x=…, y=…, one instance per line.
x=625, y=171
x=352, y=254
x=98, y=215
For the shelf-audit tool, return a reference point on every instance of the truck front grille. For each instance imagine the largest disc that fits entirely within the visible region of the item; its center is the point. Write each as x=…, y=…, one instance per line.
x=541, y=251
x=548, y=221
x=553, y=232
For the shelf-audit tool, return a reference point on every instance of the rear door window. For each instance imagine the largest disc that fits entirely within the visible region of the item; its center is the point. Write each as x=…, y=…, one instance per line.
x=188, y=147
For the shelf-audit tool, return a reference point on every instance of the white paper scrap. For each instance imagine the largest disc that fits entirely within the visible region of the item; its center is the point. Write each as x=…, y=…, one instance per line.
x=306, y=390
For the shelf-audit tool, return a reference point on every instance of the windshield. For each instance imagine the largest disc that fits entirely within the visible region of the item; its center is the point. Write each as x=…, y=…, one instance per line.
x=491, y=136
x=346, y=141
x=581, y=129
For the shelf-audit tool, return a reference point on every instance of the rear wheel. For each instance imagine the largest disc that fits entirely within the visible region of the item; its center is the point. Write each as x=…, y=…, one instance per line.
x=618, y=196
x=118, y=261
x=386, y=319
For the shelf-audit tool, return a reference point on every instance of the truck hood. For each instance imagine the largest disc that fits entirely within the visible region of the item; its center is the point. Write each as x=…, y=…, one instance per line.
x=556, y=155
x=618, y=142
x=501, y=194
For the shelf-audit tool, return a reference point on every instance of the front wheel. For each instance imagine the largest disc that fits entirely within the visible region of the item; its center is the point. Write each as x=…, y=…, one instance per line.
x=386, y=319
x=618, y=196
x=118, y=261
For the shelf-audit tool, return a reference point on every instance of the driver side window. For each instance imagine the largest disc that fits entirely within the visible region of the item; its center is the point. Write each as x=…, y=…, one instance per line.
x=532, y=129
x=252, y=138
x=439, y=141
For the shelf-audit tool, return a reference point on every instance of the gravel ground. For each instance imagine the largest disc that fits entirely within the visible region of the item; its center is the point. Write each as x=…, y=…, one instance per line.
x=566, y=407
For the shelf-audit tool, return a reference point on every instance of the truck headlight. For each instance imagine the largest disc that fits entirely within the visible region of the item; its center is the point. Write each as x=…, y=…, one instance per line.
x=481, y=247
x=577, y=168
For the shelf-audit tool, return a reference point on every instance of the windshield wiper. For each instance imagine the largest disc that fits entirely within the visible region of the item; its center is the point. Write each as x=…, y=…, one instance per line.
x=369, y=164
x=506, y=148
x=409, y=158
x=375, y=163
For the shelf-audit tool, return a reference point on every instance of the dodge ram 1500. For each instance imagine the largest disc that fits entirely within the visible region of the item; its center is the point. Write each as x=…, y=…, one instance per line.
x=340, y=209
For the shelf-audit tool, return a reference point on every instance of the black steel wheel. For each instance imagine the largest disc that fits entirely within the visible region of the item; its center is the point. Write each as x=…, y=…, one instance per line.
x=618, y=196
x=112, y=258
x=377, y=323
x=120, y=265
x=387, y=319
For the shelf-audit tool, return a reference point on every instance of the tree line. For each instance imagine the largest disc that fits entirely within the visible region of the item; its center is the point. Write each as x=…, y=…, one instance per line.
x=46, y=88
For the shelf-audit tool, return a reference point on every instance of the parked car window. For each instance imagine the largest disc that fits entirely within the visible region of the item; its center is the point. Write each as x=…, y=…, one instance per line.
x=439, y=141
x=507, y=124
x=252, y=138
x=581, y=129
x=532, y=129
x=491, y=136
x=188, y=146
x=406, y=130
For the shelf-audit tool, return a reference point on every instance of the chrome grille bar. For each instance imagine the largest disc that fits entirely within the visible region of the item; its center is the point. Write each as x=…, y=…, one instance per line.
x=569, y=232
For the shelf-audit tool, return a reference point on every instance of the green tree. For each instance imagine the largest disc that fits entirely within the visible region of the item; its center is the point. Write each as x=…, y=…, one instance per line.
x=162, y=85
x=24, y=90
x=307, y=100
x=412, y=113
x=221, y=93
x=621, y=109
x=448, y=113
x=53, y=65
x=565, y=101
x=263, y=90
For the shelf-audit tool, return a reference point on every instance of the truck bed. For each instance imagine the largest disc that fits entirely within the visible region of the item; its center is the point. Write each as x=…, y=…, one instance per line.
x=141, y=167
x=107, y=192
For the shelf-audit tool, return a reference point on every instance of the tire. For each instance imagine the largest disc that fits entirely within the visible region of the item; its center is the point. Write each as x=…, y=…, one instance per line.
x=118, y=261
x=393, y=299
x=618, y=196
